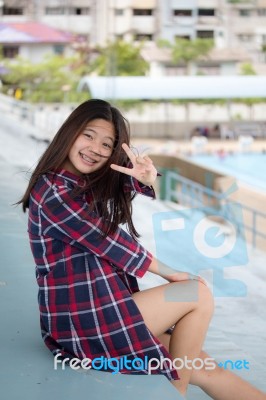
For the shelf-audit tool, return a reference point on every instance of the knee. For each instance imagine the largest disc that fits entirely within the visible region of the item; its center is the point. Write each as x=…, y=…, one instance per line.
x=206, y=301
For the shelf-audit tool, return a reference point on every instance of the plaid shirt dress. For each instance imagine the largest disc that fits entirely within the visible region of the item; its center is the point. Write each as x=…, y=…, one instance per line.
x=86, y=281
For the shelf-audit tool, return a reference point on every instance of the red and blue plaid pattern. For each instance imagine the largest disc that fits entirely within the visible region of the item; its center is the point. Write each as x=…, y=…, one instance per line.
x=86, y=281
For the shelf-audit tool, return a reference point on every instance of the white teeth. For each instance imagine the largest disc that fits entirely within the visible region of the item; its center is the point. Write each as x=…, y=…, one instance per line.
x=87, y=158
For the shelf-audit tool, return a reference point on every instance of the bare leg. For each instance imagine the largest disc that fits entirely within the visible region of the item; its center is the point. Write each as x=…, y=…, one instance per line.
x=191, y=320
x=220, y=384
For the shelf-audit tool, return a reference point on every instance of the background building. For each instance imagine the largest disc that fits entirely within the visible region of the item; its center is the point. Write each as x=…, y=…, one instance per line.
x=238, y=28
x=32, y=40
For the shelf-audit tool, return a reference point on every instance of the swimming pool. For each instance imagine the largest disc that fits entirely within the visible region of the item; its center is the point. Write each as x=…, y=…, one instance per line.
x=247, y=167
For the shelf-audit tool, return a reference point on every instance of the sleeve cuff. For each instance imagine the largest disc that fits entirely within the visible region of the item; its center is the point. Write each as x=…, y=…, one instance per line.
x=143, y=189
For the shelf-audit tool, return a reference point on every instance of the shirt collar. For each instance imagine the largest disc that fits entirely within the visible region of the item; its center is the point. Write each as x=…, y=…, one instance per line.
x=69, y=176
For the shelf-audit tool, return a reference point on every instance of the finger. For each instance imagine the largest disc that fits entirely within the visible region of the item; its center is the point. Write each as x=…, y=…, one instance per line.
x=147, y=158
x=194, y=277
x=124, y=170
x=197, y=278
x=129, y=153
x=140, y=160
x=144, y=161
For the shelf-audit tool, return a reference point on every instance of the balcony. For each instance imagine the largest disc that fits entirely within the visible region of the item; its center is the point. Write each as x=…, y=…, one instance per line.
x=184, y=21
x=143, y=23
x=208, y=20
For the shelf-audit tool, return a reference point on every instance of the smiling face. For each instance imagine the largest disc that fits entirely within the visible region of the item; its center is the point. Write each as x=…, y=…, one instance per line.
x=92, y=148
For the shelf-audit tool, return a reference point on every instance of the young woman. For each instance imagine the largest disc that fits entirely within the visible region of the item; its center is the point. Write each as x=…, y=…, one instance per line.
x=86, y=265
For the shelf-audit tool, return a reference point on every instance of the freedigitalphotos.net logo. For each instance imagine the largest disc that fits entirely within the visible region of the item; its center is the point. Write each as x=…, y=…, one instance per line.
x=190, y=240
x=116, y=365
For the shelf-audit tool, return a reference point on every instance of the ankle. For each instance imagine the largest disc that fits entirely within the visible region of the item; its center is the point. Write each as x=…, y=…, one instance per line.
x=181, y=389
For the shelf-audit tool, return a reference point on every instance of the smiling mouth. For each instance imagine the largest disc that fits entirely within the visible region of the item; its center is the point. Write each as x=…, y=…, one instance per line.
x=87, y=159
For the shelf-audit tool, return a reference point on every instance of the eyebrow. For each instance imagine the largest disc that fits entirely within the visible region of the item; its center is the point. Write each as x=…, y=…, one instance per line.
x=105, y=137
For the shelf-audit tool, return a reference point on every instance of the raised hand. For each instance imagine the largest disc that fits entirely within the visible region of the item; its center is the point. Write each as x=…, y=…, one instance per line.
x=142, y=167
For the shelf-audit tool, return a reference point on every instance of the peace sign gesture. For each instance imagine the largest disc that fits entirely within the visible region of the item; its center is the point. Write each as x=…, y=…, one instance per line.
x=142, y=167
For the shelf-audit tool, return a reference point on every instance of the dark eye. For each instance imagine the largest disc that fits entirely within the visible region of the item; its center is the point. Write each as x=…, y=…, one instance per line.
x=88, y=135
x=107, y=145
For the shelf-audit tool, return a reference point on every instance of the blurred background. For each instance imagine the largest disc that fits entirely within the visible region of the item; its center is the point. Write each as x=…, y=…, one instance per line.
x=47, y=47
x=190, y=76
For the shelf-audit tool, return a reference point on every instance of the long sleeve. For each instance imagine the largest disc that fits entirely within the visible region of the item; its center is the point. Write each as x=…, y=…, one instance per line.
x=60, y=216
x=136, y=186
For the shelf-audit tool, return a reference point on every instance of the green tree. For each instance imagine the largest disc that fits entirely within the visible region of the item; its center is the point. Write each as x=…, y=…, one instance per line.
x=239, y=1
x=263, y=48
x=247, y=69
x=119, y=58
x=51, y=80
x=188, y=51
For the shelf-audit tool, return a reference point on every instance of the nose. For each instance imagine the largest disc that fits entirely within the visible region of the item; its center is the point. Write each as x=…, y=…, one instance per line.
x=95, y=148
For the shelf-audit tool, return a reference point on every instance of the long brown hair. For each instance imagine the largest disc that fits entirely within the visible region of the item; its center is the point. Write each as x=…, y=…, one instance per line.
x=113, y=202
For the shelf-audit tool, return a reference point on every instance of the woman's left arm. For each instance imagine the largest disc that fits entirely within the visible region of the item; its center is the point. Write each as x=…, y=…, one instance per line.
x=171, y=275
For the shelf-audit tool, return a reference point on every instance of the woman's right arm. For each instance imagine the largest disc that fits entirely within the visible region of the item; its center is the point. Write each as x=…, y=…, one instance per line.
x=69, y=219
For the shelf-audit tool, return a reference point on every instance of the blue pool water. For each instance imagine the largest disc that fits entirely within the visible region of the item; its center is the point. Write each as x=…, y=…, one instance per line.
x=249, y=168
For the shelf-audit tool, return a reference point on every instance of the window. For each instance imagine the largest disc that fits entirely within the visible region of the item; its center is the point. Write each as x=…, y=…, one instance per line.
x=208, y=70
x=182, y=13
x=206, y=12
x=142, y=12
x=183, y=37
x=119, y=11
x=12, y=10
x=205, y=34
x=143, y=36
x=54, y=10
x=80, y=11
x=59, y=49
x=244, y=13
x=171, y=70
x=10, y=51
x=244, y=37
x=261, y=12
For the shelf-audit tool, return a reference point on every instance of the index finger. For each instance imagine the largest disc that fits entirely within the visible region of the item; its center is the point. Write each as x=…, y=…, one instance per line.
x=129, y=153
